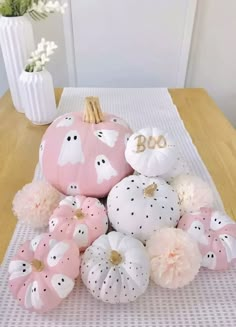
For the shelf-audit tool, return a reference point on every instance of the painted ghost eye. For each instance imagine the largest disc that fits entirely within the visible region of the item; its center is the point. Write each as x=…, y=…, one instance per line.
x=75, y=137
x=212, y=255
x=219, y=222
x=68, y=138
x=103, y=161
x=75, y=187
x=66, y=118
x=98, y=163
x=115, y=120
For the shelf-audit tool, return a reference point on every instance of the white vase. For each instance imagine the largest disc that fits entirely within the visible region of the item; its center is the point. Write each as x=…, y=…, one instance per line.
x=17, y=43
x=38, y=98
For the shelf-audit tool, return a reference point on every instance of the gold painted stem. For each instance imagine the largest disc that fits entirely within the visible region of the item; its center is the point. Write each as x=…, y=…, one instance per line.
x=150, y=190
x=37, y=265
x=115, y=257
x=93, y=112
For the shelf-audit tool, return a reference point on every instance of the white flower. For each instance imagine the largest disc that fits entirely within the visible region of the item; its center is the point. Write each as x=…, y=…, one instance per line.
x=40, y=56
x=48, y=7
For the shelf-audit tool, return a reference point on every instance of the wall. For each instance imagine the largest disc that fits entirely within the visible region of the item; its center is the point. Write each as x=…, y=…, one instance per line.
x=212, y=62
x=52, y=30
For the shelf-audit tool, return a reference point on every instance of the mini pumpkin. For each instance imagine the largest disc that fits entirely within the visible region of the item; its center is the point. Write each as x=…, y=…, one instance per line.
x=43, y=272
x=76, y=146
x=215, y=233
x=115, y=268
x=151, y=152
x=140, y=205
x=79, y=218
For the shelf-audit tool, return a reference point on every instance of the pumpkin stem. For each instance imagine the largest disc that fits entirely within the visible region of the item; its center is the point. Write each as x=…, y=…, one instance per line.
x=79, y=214
x=37, y=265
x=150, y=190
x=115, y=257
x=93, y=112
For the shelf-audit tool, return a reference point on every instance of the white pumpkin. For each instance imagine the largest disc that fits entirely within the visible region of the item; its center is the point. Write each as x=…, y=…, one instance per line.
x=140, y=205
x=151, y=152
x=116, y=268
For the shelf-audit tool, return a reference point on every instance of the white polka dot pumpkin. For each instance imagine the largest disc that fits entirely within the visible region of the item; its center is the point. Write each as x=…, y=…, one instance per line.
x=139, y=205
x=79, y=218
x=84, y=154
x=116, y=268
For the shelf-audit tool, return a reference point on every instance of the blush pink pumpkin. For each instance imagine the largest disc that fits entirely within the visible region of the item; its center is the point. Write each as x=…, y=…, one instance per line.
x=215, y=233
x=79, y=218
x=43, y=272
x=79, y=157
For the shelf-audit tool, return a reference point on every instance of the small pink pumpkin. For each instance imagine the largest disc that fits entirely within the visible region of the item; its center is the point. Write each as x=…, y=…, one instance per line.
x=84, y=154
x=43, y=272
x=215, y=233
x=79, y=218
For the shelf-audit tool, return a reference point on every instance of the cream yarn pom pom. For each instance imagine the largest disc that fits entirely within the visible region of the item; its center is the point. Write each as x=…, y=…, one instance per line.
x=35, y=202
x=175, y=258
x=193, y=193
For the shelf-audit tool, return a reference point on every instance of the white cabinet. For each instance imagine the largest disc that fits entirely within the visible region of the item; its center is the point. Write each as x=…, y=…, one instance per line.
x=129, y=43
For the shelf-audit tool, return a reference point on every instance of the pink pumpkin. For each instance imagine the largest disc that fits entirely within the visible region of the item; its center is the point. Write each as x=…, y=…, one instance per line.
x=215, y=233
x=79, y=218
x=84, y=154
x=43, y=272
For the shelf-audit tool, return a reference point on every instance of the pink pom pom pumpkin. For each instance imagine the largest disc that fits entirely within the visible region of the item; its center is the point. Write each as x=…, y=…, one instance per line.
x=79, y=218
x=84, y=154
x=215, y=233
x=43, y=271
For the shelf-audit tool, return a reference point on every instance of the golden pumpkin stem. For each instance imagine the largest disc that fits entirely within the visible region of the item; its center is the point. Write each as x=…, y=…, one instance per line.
x=150, y=190
x=37, y=265
x=79, y=214
x=115, y=257
x=93, y=112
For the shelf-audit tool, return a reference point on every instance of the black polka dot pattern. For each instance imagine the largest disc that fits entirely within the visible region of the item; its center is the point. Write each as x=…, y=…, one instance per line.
x=110, y=282
x=129, y=208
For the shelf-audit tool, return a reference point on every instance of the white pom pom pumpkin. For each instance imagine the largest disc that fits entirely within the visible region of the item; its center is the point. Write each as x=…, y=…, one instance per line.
x=139, y=205
x=193, y=193
x=180, y=167
x=115, y=268
x=151, y=152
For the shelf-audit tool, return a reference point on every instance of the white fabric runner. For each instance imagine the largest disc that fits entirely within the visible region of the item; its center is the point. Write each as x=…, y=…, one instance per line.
x=208, y=301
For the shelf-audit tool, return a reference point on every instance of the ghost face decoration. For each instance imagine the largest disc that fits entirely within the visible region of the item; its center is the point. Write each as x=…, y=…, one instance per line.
x=109, y=137
x=42, y=275
x=79, y=218
x=73, y=189
x=73, y=149
x=215, y=233
x=65, y=121
x=104, y=169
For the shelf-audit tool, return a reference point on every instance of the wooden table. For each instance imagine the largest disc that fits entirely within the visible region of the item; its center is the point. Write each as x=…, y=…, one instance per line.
x=213, y=135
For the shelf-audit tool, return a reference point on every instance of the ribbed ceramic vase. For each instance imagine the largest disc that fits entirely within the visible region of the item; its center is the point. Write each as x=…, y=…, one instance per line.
x=17, y=43
x=38, y=98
